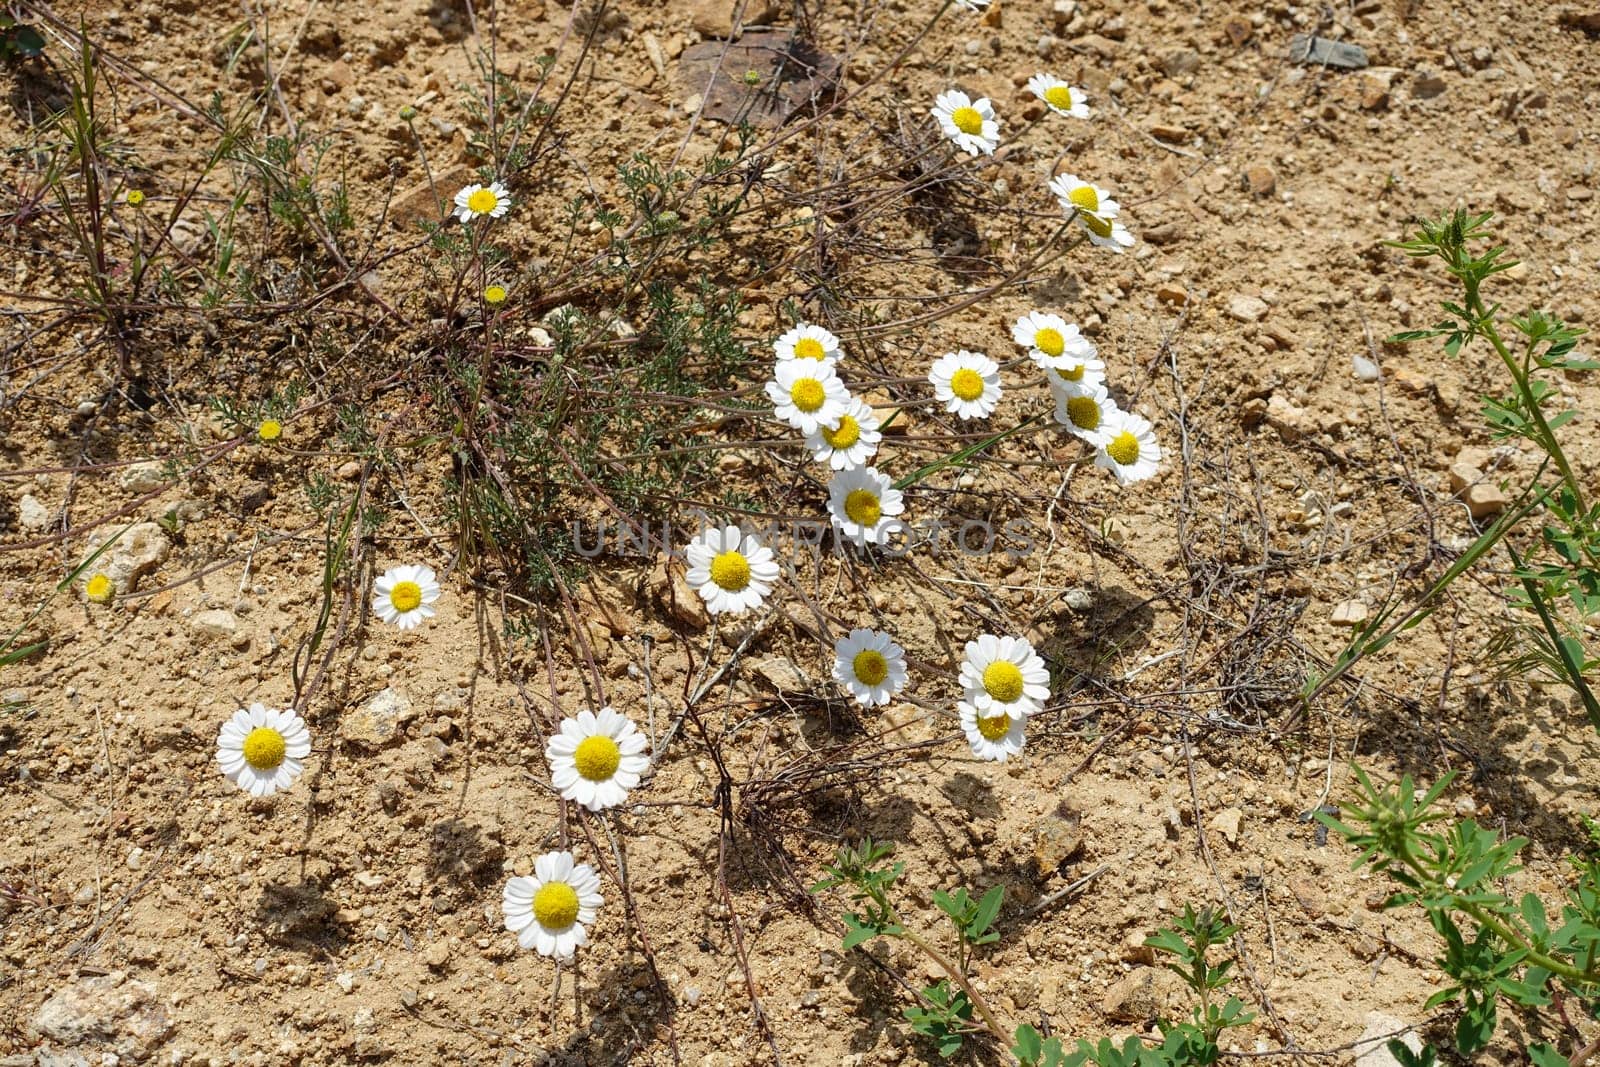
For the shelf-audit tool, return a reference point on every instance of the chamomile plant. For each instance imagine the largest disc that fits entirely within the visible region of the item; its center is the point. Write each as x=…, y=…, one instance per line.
x=806, y=341
x=1004, y=676
x=970, y=125
x=404, y=596
x=597, y=758
x=482, y=201
x=1060, y=97
x=864, y=505
x=262, y=750
x=966, y=383
x=1058, y=345
x=551, y=910
x=1094, y=209
x=807, y=394
x=870, y=665
x=852, y=442
x=731, y=571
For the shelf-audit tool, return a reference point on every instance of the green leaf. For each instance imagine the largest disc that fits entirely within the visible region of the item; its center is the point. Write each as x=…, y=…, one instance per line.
x=1542, y=1055
x=988, y=909
x=1029, y=1046
x=22, y=41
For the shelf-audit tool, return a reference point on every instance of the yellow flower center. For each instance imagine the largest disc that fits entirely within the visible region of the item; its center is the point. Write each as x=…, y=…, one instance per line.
x=1003, y=680
x=1049, y=341
x=269, y=430
x=995, y=727
x=967, y=120
x=846, y=434
x=809, y=348
x=264, y=748
x=1124, y=448
x=1084, y=412
x=1075, y=374
x=807, y=394
x=1098, y=226
x=863, y=507
x=730, y=571
x=967, y=384
x=1059, y=96
x=483, y=201
x=135, y=197
x=495, y=294
x=870, y=667
x=405, y=596
x=555, y=906
x=597, y=758
x=99, y=589
x=1085, y=198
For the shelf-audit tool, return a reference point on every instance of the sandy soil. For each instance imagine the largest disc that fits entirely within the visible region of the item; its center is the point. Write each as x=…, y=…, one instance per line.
x=357, y=917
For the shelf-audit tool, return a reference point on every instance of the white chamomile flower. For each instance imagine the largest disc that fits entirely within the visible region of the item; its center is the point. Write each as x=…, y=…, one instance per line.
x=849, y=444
x=596, y=759
x=1095, y=209
x=1056, y=344
x=1082, y=377
x=552, y=910
x=732, y=572
x=1130, y=450
x=492, y=200
x=997, y=737
x=806, y=394
x=402, y=595
x=806, y=341
x=1085, y=412
x=864, y=504
x=871, y=665
x=260, y=749
x=1004, y=676
x=1060, y=97
x=969, y=124
x=967, y=383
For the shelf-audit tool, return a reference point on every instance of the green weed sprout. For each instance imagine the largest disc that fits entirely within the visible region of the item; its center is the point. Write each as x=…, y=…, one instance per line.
x=945, y=1014
x=1496, y=948
x=952, y=1009
x=1558, y=574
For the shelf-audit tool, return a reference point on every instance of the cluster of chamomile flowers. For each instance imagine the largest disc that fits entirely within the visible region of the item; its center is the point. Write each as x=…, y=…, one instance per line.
x=1124, y=442
x=595, y=760
x=1003, y=680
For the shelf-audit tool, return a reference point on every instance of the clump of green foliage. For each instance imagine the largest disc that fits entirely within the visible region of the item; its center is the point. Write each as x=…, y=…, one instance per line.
x=953, y=1010
x=1499, y=949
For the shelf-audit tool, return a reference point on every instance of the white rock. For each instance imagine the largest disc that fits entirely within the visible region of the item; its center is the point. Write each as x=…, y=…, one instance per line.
x=32, y=514
x=123, y=1017
x=1364, y=369
x=1226, y=822
x=781, y=673
x=1245, y=308
x=1371, y=1048
x=142, y=478
x=1350, y=613
x=218, y=622
x=376, y=722
x=140, y=550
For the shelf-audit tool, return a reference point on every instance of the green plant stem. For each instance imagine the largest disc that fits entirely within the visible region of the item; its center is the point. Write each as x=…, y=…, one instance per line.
x=990, y=1020
x=1506, y=933
x=1547, y=436
x=1573, y=669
